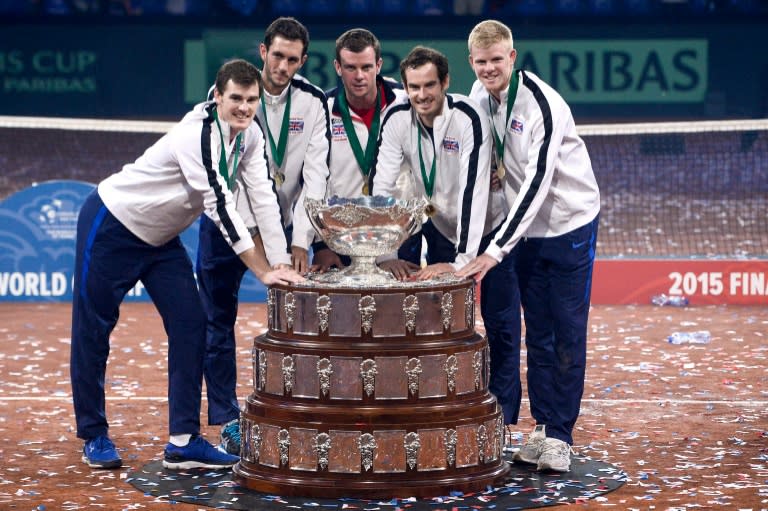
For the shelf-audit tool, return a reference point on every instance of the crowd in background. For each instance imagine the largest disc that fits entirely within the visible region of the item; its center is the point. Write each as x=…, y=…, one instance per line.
x=223, y=8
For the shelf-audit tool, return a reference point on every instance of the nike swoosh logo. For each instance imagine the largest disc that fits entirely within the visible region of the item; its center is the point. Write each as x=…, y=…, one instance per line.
x=577, y=245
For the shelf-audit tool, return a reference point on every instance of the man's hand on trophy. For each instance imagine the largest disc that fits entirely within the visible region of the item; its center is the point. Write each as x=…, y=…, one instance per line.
x=433, y=270
x=300, y=259
x=477, y=267
x=400, y=268
x=281, y=275
x=325, y=259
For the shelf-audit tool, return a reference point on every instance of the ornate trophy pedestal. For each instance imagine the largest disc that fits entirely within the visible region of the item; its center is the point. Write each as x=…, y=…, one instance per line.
x=367, y=387
x=379, y=392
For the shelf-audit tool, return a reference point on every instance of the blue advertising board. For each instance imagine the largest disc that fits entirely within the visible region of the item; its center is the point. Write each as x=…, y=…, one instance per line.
x=38, y=227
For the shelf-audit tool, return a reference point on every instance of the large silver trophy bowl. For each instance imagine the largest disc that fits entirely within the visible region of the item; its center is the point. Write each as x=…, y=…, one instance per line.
x=364, y=228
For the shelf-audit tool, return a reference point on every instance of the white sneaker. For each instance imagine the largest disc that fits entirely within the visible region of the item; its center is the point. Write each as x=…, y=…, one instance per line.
x=554, y=455
x=529, y=452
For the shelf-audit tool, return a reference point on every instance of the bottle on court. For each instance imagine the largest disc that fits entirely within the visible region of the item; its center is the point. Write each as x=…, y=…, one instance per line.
x=700, y=337
x=672, y=301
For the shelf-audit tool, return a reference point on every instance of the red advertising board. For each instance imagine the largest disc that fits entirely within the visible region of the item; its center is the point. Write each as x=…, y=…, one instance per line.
x=704, y=282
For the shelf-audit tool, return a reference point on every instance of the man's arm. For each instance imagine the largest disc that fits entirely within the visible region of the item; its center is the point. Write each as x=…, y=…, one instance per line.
x=218, y=201
x=542, y=152
x=315, y=174
x=390, y=153
x=260, y=197
x=475, y=174
x=256, y=261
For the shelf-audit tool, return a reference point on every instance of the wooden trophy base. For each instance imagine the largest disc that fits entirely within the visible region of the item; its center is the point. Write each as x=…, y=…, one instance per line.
x=395, y=405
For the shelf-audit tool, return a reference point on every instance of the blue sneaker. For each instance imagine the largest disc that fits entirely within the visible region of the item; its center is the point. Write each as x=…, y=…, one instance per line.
x=230, y=437
x=198, y=453
x=100, y=452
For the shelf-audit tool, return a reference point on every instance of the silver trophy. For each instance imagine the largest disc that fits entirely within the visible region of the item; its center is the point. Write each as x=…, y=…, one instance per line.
x=364, y=228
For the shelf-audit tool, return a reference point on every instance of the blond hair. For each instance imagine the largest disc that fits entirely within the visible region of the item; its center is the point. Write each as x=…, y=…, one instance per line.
x=489, y=32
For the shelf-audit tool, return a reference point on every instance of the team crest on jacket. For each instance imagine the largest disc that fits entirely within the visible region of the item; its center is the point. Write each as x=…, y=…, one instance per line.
x=296, y=126
x=451, y=145
x=337, y=129
x=516, y=126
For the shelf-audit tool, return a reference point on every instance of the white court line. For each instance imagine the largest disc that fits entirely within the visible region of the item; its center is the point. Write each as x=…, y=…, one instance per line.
x=607, y=402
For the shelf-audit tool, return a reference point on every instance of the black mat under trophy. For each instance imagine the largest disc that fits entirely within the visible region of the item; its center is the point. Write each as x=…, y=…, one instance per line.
x=523, y=488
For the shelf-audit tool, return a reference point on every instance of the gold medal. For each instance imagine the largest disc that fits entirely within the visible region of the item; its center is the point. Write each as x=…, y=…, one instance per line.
x=365, y=189
x=501, y=171
x=430, y=209
x=279, y=178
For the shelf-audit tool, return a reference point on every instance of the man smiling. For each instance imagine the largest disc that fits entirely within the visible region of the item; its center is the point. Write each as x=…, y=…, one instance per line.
x=357, y=108
x=444, y=139
x=550, y=232
x=128, y=230
x=293, y=115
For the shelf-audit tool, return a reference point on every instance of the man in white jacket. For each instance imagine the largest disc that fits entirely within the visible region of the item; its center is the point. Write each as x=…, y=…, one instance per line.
x=550, y=232
x=444, y=139
x=357, y=109
x=128, y=230
x=293, y=115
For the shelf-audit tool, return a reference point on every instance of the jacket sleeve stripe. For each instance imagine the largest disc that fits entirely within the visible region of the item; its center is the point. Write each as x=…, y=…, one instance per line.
x=212, y=173
x=320, y=95
x=397, y=108
x=541, y=162
x=466, y=201
x=273, y=187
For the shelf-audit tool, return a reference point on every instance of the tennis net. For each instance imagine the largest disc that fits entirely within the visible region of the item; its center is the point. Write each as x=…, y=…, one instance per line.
x=668, y=190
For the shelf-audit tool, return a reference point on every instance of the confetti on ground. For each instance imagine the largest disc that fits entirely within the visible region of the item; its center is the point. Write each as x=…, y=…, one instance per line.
x=686, y=427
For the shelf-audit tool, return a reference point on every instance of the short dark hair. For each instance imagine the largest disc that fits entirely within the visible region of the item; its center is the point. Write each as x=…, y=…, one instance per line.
x=356, y=40
x=288, y=28
x=421, y=55
x=240, y=72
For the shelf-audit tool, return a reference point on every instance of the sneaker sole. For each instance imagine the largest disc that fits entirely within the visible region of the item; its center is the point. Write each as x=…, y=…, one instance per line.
x=187, y=464
x=102, y=464
x=223, y=447
x=517, y=458
x=549, y=468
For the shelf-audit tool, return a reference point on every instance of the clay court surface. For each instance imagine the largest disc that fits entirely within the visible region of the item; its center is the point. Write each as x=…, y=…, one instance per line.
x=687, y=424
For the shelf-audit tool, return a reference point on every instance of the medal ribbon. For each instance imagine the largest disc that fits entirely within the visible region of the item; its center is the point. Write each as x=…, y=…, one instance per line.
x=223, y=166
x=429, y=181
x=511, y=94
x=278, y=152
x=363, y=160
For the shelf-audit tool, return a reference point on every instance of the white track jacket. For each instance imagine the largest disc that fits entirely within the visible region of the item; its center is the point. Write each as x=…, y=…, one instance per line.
x=549, y=184
x=462, y=146
x=177, y=179
x=346, y=176
x=305, y=164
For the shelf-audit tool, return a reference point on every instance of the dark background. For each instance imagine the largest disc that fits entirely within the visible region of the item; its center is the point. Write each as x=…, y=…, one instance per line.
x=140, y=44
